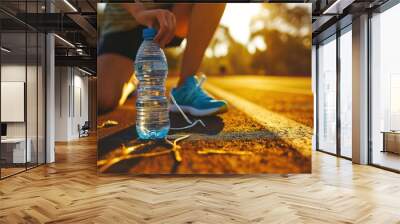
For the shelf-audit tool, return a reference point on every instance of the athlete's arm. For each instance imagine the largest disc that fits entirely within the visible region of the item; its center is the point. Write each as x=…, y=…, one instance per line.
x=162, y=19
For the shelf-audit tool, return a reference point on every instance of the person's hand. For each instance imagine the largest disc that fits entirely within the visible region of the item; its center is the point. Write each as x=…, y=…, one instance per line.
x=164, y=20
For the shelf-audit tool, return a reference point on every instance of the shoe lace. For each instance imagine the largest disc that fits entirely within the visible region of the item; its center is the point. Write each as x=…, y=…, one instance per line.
x=191, y=123
x=199, y=92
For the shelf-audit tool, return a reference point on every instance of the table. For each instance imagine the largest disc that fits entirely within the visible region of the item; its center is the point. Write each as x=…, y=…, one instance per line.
x=13, y=150
x=391, y=141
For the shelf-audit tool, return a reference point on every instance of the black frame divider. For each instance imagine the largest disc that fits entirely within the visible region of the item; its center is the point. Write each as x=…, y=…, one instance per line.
x=26, y=89
x=37, y=91
x=316, y=98
x=369, y=101
x=338, y=74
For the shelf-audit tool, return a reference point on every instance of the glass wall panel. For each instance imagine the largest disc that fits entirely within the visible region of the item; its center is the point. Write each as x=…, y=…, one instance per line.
x=32, y=87
x=327, y=95
x=346, y=93
x=385, y=89
x=22, y=64
x=41, y=99
x=13, y=92
x=31, y=97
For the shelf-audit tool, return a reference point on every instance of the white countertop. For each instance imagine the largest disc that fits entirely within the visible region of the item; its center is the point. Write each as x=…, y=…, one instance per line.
x=13, y=140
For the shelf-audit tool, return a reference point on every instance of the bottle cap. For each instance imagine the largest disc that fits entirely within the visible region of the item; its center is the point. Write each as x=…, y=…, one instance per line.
x=149, y=33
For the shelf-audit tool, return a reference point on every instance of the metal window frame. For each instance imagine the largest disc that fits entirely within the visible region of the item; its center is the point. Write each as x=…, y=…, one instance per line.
x=341, y=29
x=387, y=5
x=340, y=33
x=381, y=9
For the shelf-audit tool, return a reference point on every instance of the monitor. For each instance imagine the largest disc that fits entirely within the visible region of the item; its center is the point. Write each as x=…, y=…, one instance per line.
x=3, y=129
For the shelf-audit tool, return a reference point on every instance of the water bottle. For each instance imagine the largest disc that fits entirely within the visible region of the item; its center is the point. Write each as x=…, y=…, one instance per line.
x=152, y=118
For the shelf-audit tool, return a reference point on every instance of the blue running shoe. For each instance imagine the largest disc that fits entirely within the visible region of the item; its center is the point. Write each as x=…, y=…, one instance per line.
x=191, y=98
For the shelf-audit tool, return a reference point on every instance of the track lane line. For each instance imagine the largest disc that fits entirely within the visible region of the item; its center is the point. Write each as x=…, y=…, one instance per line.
x=291, y=132
x=269, y=87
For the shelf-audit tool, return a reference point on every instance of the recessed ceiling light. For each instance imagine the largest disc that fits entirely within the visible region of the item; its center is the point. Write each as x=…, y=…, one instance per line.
x=64, y=40
x=70, y=5
x=337, y=7
x=84, y=71
x=5, y=50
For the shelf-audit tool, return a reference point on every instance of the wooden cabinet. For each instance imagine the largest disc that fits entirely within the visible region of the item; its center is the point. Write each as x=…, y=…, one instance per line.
x=391, y=141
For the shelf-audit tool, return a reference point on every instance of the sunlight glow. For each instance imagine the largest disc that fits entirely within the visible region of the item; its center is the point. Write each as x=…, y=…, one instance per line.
x=237, y=18
x=257, y=44
x=221, y=50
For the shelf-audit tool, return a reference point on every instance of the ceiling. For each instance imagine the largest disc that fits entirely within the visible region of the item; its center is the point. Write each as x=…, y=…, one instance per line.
x=74, y=22
x=328, y=12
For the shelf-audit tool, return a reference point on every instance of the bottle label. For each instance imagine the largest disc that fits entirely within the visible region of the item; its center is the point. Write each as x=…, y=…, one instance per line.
x=151, y=66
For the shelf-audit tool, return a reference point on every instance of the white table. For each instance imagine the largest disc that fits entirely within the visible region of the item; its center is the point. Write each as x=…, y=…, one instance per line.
x=18, y=150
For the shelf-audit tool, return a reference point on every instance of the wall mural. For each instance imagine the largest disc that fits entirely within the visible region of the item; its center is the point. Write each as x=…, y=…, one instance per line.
x=204, y=88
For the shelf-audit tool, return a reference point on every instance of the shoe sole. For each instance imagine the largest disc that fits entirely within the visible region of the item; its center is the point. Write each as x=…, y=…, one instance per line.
x=198, y=113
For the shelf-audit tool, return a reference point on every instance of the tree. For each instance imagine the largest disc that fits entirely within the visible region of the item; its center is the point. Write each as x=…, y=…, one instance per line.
x=286, y=30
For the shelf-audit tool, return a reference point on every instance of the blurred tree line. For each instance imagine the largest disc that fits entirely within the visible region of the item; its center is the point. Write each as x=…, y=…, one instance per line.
x=284, y=28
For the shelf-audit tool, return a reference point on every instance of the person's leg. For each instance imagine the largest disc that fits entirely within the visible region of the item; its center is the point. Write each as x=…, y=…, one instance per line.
x=182, y=14
x=113, y=71
x=116, y=53
x=188, y=97
x=204, y=20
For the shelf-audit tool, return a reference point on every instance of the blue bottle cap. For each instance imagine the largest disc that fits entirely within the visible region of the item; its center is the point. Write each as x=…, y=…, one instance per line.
x=149, y=33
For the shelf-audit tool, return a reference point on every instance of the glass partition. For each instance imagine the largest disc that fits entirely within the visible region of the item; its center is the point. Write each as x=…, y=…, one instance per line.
x=327, y=95
x=41, y=96
x=346, y=92
x=385, y=89
x=22, y=67
x=31, y=97
x=13, y=94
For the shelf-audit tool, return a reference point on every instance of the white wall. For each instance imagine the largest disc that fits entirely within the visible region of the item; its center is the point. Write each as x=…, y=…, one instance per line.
x=12, y=73
x=71, y=94
x=61, y=103
x=33, y=127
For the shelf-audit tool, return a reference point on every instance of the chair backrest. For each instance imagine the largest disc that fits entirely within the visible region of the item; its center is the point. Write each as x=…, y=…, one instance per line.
x=86, y=125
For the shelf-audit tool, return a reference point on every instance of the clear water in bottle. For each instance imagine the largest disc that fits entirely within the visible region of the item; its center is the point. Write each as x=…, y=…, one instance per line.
x=152, y=118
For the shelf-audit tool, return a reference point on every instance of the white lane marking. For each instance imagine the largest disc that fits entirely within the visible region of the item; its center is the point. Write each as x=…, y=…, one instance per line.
x=291, y=132
x=265, y=85
x=277, y=89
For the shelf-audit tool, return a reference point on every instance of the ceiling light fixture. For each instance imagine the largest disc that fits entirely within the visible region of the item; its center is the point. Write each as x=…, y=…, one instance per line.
x=337, y=7
x=84, y=71
x=70, y=5
x=5, y=50
x=65, y=41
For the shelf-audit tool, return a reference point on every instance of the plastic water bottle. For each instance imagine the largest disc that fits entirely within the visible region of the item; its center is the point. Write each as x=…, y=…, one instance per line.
x=152, y=119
